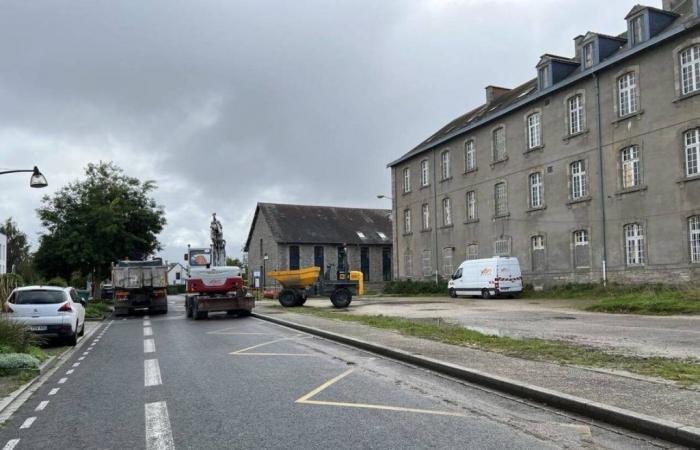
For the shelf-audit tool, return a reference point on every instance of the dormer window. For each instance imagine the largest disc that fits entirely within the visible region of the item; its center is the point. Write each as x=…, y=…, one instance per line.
x=543, y=77
x=637, y=29
x=588, y=55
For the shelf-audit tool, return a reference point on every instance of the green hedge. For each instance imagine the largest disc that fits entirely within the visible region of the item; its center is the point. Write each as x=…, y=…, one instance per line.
x=175, y=289
x=410, y=287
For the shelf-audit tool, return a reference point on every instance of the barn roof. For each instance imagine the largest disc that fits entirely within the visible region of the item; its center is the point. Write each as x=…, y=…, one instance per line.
x=303, y=224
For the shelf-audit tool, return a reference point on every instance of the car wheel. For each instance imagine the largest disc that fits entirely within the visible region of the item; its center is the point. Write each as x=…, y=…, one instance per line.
x=452, y=293
x=486, y=294
x=82, y=330
x=73, y=339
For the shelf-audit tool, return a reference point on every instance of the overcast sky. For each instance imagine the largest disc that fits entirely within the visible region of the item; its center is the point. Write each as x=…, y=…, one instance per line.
x=228, y=103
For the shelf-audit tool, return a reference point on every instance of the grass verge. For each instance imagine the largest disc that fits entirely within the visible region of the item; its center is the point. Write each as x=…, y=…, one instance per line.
x=97, y=310
x=684, y=372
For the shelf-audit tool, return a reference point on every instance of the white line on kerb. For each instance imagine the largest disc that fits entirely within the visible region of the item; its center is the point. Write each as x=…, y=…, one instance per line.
x=149, y=346
x=42, y=405
x=12, y=443
x=27, y=423
x=158, y=433
x=151, y=373
x=53, y=391
x=62, y=380
x=148, y=331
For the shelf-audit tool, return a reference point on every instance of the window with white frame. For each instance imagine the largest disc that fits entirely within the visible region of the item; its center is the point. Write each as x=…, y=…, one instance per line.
x=472, y=251
x=408, y=264
x=425, y=209
x=694, y=238
x=534, y=131
x=424, y=173
x=407, y=226
x=537, y=253
x=631, y=175
x=579, y=186
x=637, y=25
x=692, y=152
x=581, y=249
x=588, y=55
x=447, y=257
x=576, y=118
x=471, y=205
x=627, y=94
x=501, y=199
x=501, y=247
x=536, y=190
x=690, y=69
x=446, y=212
x=407, y=180
x=445, y=164
x=499, y=144
x=634, y=244
x=469, y=156
x=427, y=263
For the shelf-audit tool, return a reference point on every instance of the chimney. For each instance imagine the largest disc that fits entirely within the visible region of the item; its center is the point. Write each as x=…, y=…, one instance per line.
x=577, y=46
x=493, y=92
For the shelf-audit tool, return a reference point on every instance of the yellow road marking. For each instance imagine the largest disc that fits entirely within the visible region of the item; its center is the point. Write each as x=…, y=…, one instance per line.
x=306, y=400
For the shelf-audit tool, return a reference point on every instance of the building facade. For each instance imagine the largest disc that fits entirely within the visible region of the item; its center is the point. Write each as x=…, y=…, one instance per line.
x=177, y=274
x=287, y=237
x=589, y=171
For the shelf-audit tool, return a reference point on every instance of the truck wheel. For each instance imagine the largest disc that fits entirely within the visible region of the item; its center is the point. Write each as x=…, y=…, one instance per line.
x=188, y=308
x=197, y=314
x=244, y=313
x=287, y=298
x=341, y=298
x=452, y=293
x=485, y=294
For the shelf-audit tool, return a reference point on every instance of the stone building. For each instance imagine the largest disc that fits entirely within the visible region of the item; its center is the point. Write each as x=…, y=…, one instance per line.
x=590, y=170
x=294, y=236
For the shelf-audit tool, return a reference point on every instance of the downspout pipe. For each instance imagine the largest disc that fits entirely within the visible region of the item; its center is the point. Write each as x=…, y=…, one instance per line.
x=435, y=215
x=601, y=179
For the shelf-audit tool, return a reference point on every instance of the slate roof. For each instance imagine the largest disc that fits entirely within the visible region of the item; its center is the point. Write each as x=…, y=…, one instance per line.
x=522, y=95
x=302, y=224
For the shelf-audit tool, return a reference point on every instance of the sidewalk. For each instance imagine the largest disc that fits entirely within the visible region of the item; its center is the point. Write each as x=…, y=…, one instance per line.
x=649, y=397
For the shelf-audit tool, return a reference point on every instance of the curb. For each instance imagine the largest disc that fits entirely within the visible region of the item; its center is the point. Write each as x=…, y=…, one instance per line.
x=641, y=423
x=44, y=371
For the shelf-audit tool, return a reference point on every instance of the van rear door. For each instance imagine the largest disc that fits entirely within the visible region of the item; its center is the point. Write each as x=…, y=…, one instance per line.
x=509, y=277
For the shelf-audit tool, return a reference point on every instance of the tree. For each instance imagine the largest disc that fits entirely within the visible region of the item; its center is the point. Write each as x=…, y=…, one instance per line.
x=93, y=222
x=17, y=245
x=234, y=262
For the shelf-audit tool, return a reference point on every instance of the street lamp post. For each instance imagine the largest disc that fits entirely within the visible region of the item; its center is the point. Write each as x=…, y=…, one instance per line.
x=37, y=180
x=381, y=196
x=265, y=258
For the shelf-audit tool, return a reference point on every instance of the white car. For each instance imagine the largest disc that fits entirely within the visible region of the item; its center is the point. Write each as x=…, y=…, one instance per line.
x=490, y=277
x=48, y=311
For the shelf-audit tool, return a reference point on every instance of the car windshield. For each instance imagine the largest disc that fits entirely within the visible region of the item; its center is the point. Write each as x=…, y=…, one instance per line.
x=38, y=297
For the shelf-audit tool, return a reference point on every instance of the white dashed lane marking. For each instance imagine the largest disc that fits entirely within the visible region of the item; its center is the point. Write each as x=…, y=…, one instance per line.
x=146, y=323
x=62, y=380
x=27, y=423
x=76, y=364
x=159, y=436
x=148, y=331
x=42, y=405
x=149, y=346
x=53, y=391
x=12, y=443
x=151, y=373
x=68, y=372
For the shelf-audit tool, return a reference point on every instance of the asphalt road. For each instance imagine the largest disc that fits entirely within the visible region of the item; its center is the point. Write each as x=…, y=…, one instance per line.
x=166, y=382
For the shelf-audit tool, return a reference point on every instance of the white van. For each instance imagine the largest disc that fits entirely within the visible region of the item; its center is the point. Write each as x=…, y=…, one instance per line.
x=487, y=277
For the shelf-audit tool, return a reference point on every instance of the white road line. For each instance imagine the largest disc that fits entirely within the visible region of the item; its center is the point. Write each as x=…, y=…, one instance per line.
x=81, y=358
x=151, y=373
x=27, y=423
x=148, y=331
x=146, y=323
x=149, y=346
x=159, y=436
x=53, y=391
x=76, y=364
x=62, y=380
x=42, y=405
x=86, y=353
x=146, y=317
x=68, y=372
x=12, y=443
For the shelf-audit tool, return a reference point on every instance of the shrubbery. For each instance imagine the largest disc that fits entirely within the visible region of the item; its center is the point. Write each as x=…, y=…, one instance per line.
x=15, y=337
x=57, y=281
x=410, y=287
x=175, y=289
x=12, y=361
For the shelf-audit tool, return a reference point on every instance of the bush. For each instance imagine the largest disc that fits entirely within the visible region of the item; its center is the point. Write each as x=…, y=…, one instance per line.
x=410, y=287
x=18, y=361
x=175, y=289
x=57, y=281
x=8, y=282
x=16, y=337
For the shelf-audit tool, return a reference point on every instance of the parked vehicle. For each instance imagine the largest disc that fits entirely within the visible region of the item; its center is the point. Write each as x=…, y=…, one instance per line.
x=487, y=278
x=140, y=285
x=48, y=311
x=106, y=291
